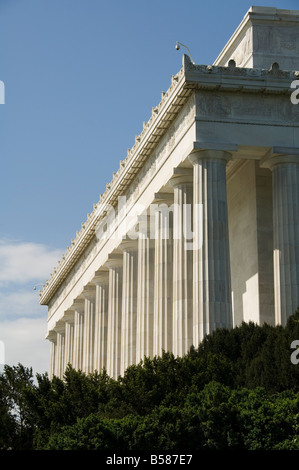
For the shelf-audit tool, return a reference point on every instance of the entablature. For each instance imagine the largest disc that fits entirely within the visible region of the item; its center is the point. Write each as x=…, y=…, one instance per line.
x=189, y=79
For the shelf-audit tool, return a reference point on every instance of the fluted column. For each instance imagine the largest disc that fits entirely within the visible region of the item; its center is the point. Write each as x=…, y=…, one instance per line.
x=129, y=304
x=69, y=337
x=59, y=359
x=163, y=230
x=285, y=181
x=78, y=333
x=101, y=281
x=211, y=262
x=114, y=264
x=52, y=337
x=145, y=291
x=88, y=330
x=182, y=182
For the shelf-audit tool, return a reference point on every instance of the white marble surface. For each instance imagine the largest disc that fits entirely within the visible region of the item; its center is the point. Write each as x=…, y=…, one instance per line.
x=109, y=306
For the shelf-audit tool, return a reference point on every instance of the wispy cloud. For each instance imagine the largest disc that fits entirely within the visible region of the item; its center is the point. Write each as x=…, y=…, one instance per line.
x=24, y=342
x=23, y=321
x=23, y=262
x=20, y=303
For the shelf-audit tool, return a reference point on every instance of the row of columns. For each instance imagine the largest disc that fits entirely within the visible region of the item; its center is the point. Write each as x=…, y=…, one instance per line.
x=168, y=292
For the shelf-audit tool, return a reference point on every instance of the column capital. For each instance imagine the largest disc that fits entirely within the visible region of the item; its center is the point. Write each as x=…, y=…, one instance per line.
x=78, y=305
x=181, y=176
x=114, y=260
x=280, y=156
x=163, y=198
x=68, y=315
x=128, y=244
x=89, y=292
x=59, y=326
x=198, y=155
x=101, y=277
x=221, y=146
x=52, y=336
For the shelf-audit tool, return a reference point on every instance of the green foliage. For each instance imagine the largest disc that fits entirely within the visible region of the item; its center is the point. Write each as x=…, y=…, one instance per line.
x=7, y=422
x=216, y=418
x=91, y=433
x=17, y=430
x=237, y=390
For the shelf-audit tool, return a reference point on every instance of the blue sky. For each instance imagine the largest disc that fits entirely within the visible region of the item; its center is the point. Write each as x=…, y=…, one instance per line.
x=81, y=77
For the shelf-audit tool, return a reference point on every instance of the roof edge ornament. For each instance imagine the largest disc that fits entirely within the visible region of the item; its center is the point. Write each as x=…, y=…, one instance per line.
x=187, y=63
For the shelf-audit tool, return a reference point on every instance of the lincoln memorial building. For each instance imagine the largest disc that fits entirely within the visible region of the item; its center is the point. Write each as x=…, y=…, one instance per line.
x=198, y=228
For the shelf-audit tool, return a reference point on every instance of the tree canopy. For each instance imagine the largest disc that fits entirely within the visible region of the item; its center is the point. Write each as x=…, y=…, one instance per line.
x=238, y=389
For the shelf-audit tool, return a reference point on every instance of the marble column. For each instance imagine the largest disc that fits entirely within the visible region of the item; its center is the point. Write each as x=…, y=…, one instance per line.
x=162, y=208
x=88, y=328
x=69, y=337
x=60, y=346
x=182, y=182
x=145, y=290
x=78, y=333
x=285, y=182
x=211, y=262
x=129, y=304
x=114, y=264
x=101, y=281
x=52, y=337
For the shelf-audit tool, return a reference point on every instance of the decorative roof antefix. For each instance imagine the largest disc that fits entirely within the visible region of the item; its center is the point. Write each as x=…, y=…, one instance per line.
x=231, y=77
x=189, y=78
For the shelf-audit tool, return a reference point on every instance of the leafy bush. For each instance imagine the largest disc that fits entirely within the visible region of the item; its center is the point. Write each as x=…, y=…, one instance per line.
x=237, y=390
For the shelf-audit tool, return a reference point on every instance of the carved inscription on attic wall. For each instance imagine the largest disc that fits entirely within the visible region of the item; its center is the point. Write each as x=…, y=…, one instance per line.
x=272, y=39
x=245, y=107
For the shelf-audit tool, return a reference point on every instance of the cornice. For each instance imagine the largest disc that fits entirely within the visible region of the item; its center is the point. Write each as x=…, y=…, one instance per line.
x=239, y=79
x=189, y=78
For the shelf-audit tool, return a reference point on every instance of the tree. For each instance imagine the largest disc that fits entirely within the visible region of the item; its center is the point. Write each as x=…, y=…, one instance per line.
x=14, y=382
x=7, y=422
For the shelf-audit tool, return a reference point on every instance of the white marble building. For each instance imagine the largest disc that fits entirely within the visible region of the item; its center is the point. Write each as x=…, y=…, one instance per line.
x=199, y=227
